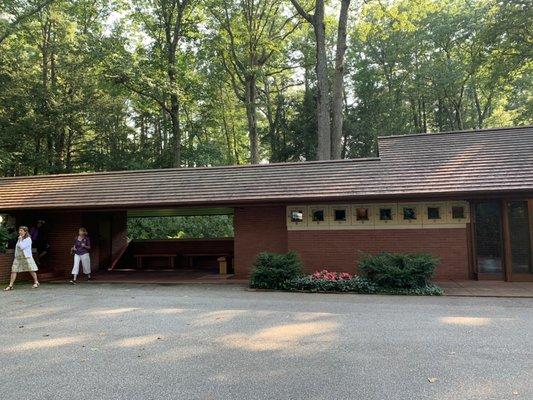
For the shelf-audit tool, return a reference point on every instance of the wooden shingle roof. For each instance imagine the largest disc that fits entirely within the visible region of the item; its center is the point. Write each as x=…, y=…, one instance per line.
x=454, y=163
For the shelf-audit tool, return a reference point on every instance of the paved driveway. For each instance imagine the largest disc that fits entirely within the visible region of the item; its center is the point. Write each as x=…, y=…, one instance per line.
x=104, y=341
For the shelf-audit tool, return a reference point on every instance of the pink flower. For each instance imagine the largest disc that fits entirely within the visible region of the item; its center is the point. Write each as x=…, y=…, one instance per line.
x=330, y=275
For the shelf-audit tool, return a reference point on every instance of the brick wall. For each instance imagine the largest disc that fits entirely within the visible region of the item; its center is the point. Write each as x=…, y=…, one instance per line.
x=6, y=260
x=339, y=249
x=119, y=232
x=62, y=229
x=257, y=229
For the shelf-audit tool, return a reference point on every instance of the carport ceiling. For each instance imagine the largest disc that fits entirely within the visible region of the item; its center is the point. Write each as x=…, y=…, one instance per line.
x=175, y=212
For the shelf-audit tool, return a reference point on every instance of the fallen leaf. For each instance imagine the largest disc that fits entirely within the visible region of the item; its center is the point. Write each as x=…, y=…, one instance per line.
x=432, y=380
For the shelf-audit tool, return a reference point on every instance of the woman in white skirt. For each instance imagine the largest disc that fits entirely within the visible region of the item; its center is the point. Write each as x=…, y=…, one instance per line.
x=82, y=245
x=23, y=261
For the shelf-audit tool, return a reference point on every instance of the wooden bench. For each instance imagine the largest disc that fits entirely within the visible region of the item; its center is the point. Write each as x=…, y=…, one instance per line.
x=140, y=259
x=222, y=259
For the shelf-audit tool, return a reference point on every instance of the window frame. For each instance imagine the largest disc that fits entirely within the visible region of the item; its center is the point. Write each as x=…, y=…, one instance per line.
x=415, y=222
x=363, y=223
x=346, y=209
x=311, y=210
x=296, y=224
x=394, y=214
x=466, y=208
x=443, y=210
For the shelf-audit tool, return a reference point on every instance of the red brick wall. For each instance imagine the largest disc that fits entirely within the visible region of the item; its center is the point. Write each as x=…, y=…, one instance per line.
x=339, y=249
x=62, y=229
x=119, y=231
x=257, y=229
x=6, y=260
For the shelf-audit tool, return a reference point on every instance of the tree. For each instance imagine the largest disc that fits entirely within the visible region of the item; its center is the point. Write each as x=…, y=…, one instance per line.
x=250, y=35
x=329, y=137
x=20, y=14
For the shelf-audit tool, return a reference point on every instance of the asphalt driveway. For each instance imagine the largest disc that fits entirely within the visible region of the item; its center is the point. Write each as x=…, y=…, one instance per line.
x=115, y=341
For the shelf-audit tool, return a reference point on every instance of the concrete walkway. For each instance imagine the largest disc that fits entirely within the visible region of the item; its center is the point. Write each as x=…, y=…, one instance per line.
x=221, y=342
x=487, y=288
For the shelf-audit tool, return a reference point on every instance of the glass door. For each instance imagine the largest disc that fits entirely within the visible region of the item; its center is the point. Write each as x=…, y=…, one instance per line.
x=489, y=240
x=520, y=240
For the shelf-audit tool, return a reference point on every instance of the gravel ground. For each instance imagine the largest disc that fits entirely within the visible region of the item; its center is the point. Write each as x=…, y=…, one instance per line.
x=105, y=341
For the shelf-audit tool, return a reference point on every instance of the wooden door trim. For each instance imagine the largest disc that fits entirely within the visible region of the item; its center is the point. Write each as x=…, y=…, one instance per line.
x=507, y=255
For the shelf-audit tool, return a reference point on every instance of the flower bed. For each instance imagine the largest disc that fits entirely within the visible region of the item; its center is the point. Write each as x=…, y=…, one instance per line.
x=341, y=282
x=408, y=276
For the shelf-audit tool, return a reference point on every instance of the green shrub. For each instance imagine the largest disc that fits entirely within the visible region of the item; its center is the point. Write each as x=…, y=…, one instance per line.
x=428, y=290
x=355, y=284
x=4, y=239
x=271, y=270
x=402, y=270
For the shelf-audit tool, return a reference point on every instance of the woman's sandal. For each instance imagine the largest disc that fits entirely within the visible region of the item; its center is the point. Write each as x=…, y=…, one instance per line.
x=36, y=285
x=7, y=289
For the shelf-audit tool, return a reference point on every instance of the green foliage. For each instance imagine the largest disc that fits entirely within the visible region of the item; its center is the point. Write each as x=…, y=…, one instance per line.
x=427, y=290
x=356, y=284
x=4, y=238
x=272, y=270
x=205, y=226
x=85, y=85
x=402, y=270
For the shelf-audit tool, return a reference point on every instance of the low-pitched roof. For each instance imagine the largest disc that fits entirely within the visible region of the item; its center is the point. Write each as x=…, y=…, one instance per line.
x=436, y=164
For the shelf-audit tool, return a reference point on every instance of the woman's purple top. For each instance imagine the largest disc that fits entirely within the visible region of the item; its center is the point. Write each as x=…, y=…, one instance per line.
x=80, y=250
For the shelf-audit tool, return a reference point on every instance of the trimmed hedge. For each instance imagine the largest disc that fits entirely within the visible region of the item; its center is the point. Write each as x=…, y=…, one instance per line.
x=401, y=270
x=271, y=270
x=355, y=284
x=401, y=274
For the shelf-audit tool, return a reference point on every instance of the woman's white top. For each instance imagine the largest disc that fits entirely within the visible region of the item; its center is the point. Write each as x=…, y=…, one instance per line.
x=25, y=246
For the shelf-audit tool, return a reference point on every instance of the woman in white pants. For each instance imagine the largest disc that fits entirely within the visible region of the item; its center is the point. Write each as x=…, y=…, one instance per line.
x=82, y=245
x=23, y=261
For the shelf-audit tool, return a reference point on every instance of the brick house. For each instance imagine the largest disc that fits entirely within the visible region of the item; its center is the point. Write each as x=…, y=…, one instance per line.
x=466, y=197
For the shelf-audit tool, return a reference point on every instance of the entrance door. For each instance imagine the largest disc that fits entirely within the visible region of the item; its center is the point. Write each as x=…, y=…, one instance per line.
x=520, y=241
x=489, y=240
x=504, y=240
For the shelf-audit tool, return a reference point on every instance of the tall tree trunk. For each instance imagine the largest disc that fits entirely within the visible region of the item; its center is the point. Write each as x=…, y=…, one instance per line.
x=250, y=100
x=338, y=80
x=176, y=130
x=322, y=98
x=323, y=112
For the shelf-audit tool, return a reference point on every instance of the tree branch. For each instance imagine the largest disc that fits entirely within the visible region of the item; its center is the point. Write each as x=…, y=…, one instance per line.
x=21, y=18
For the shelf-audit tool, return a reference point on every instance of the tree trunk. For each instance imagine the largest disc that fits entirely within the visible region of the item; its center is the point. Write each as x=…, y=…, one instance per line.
x=250, y=99
x=176, y=130
x=323, y=113
x=338, y=80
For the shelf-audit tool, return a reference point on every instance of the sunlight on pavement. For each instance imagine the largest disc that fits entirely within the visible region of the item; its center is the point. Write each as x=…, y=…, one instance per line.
x=467, y=321
x=281, y=337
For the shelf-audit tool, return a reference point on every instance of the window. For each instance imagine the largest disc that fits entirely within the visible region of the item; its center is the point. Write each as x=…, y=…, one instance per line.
x=339, y=214
x=385, y=214
x=409, y=213
x=297, y=216
x=458, y=212
x=362, y=214
x=434, y=213
x=318, y=216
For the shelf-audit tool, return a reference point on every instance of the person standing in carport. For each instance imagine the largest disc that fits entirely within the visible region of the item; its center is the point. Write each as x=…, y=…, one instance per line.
x=80, y=250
